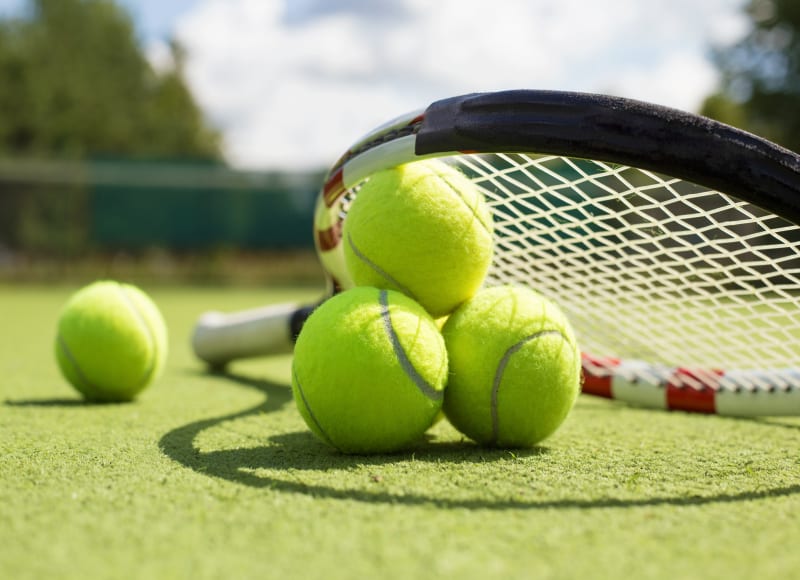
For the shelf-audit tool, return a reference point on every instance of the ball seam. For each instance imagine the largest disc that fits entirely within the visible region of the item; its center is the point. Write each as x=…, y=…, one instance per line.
x=377, y=269
x=140, y=318
x=75, y=366
x=501, y=367
x=472, y=209
x=402, y=357
x=310, y=411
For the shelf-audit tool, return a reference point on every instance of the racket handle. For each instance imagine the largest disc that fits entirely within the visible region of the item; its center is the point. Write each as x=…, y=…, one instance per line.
x=220, y=338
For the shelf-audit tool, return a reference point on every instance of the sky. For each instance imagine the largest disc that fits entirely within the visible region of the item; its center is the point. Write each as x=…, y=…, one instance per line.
x=292, y=83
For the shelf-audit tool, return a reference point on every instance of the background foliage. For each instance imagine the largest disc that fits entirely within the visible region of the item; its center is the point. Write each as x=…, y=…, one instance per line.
x=75, y=85
x=760, y=89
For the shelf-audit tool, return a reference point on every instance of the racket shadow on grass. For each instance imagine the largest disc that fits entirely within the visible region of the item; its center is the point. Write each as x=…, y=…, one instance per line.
x=287, y=453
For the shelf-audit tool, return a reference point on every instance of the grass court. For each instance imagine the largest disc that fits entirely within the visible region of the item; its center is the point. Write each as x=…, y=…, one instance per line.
x=216, y=476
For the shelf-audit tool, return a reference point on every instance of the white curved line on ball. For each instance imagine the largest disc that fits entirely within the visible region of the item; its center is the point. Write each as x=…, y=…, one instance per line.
x=407, y=366
x=378, y=270
x=501, y=368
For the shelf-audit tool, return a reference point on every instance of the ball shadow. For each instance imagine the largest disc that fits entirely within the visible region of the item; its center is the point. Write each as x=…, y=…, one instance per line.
x=302, y=451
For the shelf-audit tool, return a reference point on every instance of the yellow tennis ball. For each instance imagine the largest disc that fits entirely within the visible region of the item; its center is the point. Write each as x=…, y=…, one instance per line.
x=369, y=371
x=515, y=367
x=422, y=228
x=111, y=341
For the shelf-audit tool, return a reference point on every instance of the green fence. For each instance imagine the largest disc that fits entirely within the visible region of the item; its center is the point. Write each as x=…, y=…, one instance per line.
x=135, y=205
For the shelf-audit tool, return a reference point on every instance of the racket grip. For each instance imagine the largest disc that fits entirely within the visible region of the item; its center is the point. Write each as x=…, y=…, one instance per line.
x=220, y=338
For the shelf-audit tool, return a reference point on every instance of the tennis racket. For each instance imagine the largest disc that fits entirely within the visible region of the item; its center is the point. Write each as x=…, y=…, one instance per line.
x=670, y=240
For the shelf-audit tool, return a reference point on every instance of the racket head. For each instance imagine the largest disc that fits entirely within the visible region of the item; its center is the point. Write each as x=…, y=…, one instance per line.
x=671, y=240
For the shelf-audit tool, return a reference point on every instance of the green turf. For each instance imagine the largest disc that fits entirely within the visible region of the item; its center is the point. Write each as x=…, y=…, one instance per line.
x=217, y=477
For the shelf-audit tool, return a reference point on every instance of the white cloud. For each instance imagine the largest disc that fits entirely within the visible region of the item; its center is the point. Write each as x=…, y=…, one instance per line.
x=293, y=82
x=679, y=80
x=11, y=7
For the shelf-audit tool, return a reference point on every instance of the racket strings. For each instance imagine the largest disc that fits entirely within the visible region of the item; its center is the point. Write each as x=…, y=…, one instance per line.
x=647, y=266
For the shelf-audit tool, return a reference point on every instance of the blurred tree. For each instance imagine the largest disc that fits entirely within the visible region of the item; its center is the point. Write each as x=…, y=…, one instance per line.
x=760, y=88
x=75, y=83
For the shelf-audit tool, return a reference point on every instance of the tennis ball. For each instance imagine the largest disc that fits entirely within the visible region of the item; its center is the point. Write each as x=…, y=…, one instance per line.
x=422, y=228
x=515, y=368
x=111, y=341
x=369, y=371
